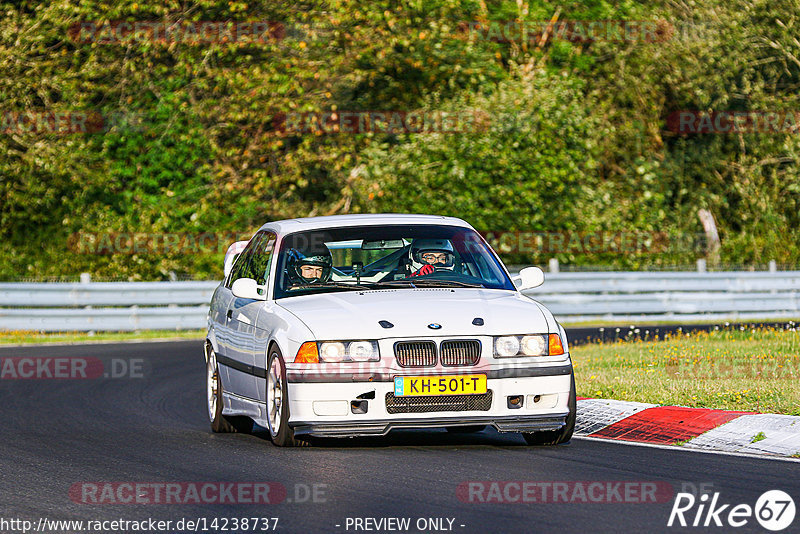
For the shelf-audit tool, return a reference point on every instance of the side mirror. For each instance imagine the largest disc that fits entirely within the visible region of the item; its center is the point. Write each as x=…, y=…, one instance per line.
x=247, y=288
x=528, y=278
x=231, y=255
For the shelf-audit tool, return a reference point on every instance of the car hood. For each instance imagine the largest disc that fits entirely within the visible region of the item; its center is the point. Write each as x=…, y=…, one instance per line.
x=356, y=315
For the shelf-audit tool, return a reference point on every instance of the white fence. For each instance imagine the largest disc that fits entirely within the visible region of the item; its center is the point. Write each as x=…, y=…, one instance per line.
x=635, y=297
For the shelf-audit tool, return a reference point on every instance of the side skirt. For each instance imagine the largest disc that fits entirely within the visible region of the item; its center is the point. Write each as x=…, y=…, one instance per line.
x=237, y=405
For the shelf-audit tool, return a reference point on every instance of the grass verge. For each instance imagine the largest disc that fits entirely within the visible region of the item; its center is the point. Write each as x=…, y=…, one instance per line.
x=21, y=337
x=752, y=370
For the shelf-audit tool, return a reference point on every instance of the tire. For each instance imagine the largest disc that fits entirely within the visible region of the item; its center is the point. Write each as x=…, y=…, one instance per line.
x=277, y=400
x=221, y=423
x=557, y=437
x=471, y=429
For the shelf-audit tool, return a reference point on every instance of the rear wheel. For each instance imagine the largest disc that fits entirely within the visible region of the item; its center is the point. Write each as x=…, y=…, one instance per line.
x=278, y=402
x=556, y=437
x=219, y=422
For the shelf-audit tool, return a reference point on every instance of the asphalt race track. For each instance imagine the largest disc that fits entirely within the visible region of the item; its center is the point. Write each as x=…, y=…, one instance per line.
x=580, y=335
x=59, y=433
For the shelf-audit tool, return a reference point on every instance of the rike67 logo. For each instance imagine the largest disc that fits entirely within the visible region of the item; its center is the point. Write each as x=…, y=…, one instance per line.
x=774, y=510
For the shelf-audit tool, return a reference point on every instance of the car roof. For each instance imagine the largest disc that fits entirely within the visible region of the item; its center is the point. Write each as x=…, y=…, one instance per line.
x=373, y=219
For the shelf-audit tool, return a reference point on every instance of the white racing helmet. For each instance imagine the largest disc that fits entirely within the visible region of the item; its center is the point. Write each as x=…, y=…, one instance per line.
x=419, y=247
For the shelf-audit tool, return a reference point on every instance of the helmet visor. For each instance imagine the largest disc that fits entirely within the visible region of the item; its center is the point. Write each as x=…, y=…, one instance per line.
x=437, y=258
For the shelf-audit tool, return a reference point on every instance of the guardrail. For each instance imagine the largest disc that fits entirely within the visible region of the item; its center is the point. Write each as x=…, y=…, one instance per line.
x=634, y=297
x=670, y=296
x=104, y=306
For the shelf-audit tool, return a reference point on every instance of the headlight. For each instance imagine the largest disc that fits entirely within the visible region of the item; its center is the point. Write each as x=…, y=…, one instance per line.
x=506, y=346
x=348, y=351
x=363, y=351
x=527, y=345
x=533, y=346
x=332, y=352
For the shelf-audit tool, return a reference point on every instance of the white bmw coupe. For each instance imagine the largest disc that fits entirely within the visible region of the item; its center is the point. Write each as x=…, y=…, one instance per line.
x=355, y=325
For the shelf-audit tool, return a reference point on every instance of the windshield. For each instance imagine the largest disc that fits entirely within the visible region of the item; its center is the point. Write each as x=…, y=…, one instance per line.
x=379, y=257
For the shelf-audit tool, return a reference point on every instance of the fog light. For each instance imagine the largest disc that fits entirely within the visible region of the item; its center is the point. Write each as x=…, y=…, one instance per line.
x=358, y=407
x=514, y=402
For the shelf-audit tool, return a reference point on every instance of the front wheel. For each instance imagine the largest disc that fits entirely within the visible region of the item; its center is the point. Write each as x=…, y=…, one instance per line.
x=278, y=402
x=219, y=422
x=556, y=437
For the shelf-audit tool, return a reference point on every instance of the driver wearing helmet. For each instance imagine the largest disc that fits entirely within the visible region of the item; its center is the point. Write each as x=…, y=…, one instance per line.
x=309, y=267
x=428, y=255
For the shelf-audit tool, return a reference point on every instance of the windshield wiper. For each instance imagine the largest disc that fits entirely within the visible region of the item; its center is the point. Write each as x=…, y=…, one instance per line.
x=337, y=284
x=455, y=283
x=396, y=282
x=430, y=282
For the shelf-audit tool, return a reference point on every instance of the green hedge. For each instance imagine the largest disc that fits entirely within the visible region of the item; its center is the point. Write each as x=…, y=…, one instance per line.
x=569, y=136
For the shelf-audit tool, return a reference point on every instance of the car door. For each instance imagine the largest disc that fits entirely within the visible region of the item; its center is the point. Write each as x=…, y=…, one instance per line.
x=218, y=321
x=222, y=319
x=245, y=366
x=228, y=337
x=263, y=326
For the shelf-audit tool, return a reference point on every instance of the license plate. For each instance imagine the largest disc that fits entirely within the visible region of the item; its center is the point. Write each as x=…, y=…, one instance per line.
x=411, y=386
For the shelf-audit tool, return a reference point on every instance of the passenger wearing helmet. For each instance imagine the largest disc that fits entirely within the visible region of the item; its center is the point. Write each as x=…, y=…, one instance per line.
x=312, y=267
x=428, y=255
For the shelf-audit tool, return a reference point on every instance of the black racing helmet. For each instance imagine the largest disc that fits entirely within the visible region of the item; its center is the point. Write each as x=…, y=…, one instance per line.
x=318, y=258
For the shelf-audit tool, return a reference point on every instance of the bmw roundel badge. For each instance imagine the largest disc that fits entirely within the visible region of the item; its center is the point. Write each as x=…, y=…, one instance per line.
x=434, y=326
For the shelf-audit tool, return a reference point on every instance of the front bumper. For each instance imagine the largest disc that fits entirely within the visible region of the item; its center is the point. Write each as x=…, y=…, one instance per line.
x=327, y=409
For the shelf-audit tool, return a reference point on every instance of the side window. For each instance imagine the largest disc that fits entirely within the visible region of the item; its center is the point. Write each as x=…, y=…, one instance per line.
x=261, y=260
x=240, y=265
